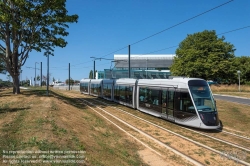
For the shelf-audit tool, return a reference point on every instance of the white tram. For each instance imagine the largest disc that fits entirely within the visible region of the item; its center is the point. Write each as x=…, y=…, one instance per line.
x=186, y=101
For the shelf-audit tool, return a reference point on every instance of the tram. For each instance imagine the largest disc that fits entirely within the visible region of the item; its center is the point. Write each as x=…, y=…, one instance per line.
x=186, y=101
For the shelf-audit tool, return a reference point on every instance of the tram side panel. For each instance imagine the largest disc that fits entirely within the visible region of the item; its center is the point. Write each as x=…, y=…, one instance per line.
x=124, y=92
x=168, y=101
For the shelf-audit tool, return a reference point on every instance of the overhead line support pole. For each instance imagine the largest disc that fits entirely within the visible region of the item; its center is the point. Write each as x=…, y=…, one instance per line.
x=48, y=74
x=69, y=76
x=128, y=61
x=94, y=71
x=41, y=74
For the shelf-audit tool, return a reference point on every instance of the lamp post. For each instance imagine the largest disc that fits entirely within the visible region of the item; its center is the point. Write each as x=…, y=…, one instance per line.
x=147, y=68
x=239, y=78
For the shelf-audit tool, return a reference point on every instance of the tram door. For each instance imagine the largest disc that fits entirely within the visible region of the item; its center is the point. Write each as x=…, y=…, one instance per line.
x=164, y=102
x=168, y=103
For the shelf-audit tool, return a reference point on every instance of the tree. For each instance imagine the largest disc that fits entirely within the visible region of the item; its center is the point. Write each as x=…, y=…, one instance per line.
x=204, y=55
x=71, y=81
x=243, y=64
x=27, y=25
x=2, y=66
x=44, y=80
x=38, y=78
x=91, y=74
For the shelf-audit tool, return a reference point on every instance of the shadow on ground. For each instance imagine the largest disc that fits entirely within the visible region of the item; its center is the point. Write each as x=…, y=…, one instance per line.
x=5, y=110
x=76, y=101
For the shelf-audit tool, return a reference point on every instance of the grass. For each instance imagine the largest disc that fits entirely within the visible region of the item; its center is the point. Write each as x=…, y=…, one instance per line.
x=32, y=121
x=232, y=90
x=234, y=116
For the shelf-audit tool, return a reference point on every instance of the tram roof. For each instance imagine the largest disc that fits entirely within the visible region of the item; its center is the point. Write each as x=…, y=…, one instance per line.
x=125, y=81
x=180, y=82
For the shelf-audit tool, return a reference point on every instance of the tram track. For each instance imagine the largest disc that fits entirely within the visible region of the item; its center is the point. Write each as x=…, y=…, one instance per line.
x=236, y=143
x=142, y=137
x=217, y=139
x=191, y=160
x=226, y=154
x=236, y=135
x=219, y=155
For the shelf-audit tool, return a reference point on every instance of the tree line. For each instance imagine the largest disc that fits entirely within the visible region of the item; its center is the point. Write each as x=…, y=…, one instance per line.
x=205, y=55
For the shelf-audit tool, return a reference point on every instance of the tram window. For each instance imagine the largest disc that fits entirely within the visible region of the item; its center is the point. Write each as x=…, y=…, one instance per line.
x=107, y=90
x=116, y=93
x=130, y=94
x=155, y=98
x=164, y=101
x=122, y=93
x=164, y=98
x=84, y=87
x=143, y=94
x=202, y=98
x=150, y=99
x=185, y=103
x=95, y=89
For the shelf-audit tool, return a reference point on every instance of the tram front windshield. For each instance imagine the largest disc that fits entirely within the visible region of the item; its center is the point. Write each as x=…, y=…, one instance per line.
x=203, y=99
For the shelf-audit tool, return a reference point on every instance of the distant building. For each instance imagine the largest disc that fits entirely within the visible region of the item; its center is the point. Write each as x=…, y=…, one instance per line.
x=141, y=66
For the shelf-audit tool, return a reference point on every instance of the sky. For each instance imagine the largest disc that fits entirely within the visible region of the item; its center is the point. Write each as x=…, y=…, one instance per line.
x=107, y=27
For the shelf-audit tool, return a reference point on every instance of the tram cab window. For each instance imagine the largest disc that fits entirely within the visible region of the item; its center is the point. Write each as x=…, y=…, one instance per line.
x=203, y=99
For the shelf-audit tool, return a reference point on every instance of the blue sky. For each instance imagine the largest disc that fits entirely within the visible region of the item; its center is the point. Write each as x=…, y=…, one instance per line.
x=105, y=26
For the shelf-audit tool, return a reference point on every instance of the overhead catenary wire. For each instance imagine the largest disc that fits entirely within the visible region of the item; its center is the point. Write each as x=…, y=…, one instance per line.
x=182, y=22
x=178, y=45
x=169, y=29
x=234, y=30
x=230, y=31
